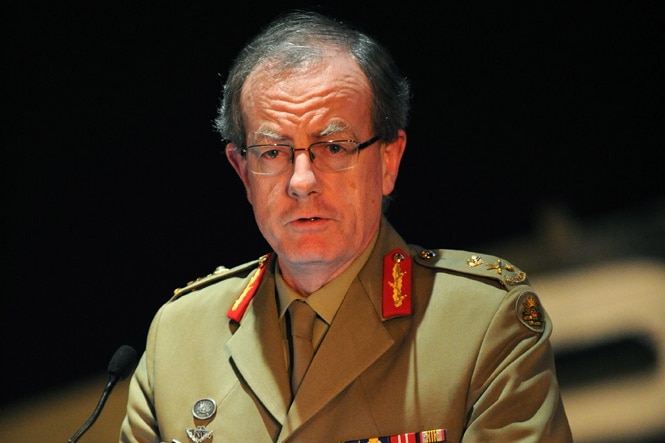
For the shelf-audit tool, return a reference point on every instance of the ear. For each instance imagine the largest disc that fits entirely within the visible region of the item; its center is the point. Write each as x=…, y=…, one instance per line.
x=240, y=166
x=392, y=157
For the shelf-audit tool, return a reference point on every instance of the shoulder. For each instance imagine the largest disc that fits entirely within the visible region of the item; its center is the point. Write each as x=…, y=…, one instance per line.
x=220, y=274
x=471, y=264
x=519, y=300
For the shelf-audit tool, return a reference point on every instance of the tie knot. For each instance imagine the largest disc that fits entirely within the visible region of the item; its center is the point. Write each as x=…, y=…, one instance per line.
x=302, y=319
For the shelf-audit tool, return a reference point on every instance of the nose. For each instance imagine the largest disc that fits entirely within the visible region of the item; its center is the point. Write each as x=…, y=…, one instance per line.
x=303, y=181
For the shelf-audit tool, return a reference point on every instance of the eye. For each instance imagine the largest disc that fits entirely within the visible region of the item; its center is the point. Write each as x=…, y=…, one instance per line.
x=273, y=152
x=333, y=149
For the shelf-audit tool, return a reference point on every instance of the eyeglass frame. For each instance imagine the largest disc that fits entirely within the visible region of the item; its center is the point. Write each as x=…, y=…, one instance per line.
x=360, y=146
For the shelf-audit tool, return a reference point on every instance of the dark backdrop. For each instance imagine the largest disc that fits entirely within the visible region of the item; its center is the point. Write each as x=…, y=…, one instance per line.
x=115, y=190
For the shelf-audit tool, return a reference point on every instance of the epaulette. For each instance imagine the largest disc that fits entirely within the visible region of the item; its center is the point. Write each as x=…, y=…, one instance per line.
x=481, y=265
x=220, y=273
x=527, y=306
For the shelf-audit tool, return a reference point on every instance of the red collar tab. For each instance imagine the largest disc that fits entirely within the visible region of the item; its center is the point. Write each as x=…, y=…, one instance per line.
x=240, y=305
x=396, y=284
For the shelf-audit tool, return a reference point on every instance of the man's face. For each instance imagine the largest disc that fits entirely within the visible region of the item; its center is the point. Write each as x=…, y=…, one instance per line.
x=311, y=217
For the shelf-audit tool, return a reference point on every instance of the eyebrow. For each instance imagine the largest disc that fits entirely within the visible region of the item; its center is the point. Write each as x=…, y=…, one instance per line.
x=332, y=128
x=266, y=133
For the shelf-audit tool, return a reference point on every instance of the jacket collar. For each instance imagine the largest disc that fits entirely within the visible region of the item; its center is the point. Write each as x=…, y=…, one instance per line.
x=344, y=354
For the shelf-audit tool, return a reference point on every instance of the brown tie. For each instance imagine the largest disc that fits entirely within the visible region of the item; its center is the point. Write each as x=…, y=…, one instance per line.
x=302, y=322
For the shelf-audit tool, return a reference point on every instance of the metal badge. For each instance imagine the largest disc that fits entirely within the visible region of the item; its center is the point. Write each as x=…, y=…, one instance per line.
x=427, y=254
x=204, y=408
x=200, y=434
x=514, y=277
x=529, y=312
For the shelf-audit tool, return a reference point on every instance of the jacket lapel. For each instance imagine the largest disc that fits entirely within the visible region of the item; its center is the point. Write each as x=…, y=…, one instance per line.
x=256, y=351
x=357, y=338
x=343, y=355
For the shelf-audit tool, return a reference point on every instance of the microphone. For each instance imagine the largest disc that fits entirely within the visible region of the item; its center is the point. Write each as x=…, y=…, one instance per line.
x=121, y=365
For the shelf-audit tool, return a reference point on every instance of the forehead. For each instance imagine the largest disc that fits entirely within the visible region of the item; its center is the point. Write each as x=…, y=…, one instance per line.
x=331, y=88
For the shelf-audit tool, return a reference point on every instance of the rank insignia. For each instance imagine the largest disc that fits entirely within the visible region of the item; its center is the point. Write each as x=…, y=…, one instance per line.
x=396, y=284
x=529, y=311
x=238, y=308
x=510, y=278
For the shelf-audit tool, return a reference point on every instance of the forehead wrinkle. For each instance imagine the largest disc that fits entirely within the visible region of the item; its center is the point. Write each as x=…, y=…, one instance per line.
x=294, y=100
x=317, y=121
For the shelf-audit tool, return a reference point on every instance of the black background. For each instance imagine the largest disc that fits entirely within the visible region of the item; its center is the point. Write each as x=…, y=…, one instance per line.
x=116, y=191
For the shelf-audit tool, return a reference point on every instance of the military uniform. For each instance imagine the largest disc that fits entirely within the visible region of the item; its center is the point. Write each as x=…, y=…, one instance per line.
x=427, y=345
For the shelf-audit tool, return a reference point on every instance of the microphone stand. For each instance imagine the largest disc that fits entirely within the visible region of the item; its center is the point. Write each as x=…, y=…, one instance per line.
x=121, y=365
x=113, y=379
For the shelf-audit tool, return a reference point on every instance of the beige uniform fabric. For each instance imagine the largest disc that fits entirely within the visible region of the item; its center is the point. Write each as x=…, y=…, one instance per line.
x=463, y=361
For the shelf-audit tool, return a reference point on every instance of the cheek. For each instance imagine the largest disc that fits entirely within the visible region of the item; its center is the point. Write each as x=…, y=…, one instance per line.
x=369, y=186
x=376, y=179
x=258, y=193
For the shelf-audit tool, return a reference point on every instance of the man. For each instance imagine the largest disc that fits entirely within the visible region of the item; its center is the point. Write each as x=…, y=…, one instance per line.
x=409, y=344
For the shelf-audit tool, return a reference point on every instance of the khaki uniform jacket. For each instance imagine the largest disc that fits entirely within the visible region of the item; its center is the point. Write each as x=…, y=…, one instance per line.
x=465, y=360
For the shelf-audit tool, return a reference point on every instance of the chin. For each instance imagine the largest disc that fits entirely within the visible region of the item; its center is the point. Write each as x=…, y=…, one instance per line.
x=308, y=254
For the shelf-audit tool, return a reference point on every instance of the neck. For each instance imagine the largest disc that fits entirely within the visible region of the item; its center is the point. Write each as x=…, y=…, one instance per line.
x=307, y=278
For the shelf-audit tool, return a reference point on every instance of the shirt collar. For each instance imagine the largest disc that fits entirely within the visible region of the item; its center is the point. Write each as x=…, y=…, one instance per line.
x=327, y=299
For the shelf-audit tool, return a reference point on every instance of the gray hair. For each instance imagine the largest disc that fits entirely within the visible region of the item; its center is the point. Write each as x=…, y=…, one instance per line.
x=298, y=38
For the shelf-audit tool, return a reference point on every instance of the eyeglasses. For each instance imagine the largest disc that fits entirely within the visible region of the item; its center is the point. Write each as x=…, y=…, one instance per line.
x=331, y=155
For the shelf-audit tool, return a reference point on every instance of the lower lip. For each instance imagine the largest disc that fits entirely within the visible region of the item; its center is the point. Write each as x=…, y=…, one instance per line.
x=309, y=224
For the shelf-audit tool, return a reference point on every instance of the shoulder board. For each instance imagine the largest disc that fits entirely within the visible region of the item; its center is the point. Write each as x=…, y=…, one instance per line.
x=219, y=274
x=481, y=265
